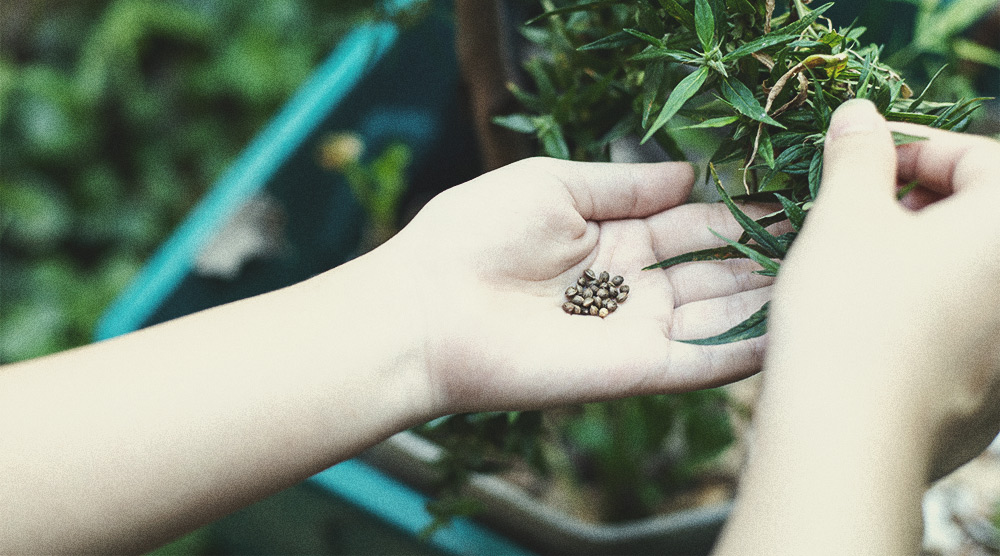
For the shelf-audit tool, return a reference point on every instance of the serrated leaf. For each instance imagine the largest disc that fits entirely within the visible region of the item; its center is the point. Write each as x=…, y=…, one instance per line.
x=796, y=215
x=704, y=22
x=742, y=99
x=766, y=149
x=752, y=327
x=713, y=254
x=687, y=88
x=770, y=244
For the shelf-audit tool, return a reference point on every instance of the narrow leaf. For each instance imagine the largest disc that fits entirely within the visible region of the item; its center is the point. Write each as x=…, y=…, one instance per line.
x=742, y=99
x=711, y=123
x=713, y=254
x=754, y=326
x=658, y=53
x=678, y=12
x=763, y=260
x=768, y=242
x=518, y=122
x=796, y=215
x=900, y=138
x=593, y=5
x=687, y=88
x=611, y=42
x=646, y=37
x=778, y=36
x=815, y=173
x=704, y=22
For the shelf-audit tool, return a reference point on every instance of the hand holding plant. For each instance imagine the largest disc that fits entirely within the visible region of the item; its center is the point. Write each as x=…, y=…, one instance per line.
x=890, y=377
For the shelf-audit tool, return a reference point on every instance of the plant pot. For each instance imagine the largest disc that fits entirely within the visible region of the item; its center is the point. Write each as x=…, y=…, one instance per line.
x=509, y=509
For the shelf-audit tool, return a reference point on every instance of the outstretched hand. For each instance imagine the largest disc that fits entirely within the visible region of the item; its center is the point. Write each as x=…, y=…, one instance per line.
x=485, y=266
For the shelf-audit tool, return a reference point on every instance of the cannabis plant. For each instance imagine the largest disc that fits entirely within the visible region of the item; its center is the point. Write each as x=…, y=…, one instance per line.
x=768, y=82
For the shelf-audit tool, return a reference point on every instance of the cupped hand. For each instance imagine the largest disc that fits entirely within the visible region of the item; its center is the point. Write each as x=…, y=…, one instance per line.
x=888, y=313
x=486, y=265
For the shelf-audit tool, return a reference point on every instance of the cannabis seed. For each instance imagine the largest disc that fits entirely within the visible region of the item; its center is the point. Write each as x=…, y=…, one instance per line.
x=602, y=293
x=587, y=302
x=604, y=276
x=617, y=281
x=571, y=292
x=594, y=310
x=622, y=297
x=612, y=291
x=582, y=282
x=623, y=288
x=569, y=307
x=589, y=292
x=578, y=300
x=603, y=312
x=611, y=305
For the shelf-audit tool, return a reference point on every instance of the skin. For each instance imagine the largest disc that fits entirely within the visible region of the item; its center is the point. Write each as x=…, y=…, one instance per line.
x=876, y=382
x=123, y=445
x=890, y=377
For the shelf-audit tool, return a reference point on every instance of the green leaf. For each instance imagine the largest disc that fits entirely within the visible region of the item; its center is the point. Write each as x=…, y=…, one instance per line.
x=678, y=12
x=646, y=37
x=704, y=22
x=768, y=242
x=722, y=121
x=766, y=149
x=742, y=99
x=777, y=36
x=900, y=138
x=660, y=53
x=815, y=173
x=713, y=254
x=796, y=215
x=754, y=326
x=613, y=41
x=687, y=88
x=521, y=123
x=582, y=7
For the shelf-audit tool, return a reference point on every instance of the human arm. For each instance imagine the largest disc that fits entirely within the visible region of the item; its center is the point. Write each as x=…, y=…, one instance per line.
x=119, y=446
x=883, y=368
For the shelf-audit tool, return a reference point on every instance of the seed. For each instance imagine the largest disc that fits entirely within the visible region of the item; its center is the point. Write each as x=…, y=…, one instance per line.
x=587, y=302
x=588, y=292
x=589, y=275
x=623, y=288
x=577, y=310
x=569, y=307
x=577, y=300
x=612, y=291
x=571, y=292
x=582, y=282
x=594, y=310
x=604, y=276
x=617, y=281
x=603, y=312
x=603, y=293
x=598, y=302
x=611, y=305
x=622, y=297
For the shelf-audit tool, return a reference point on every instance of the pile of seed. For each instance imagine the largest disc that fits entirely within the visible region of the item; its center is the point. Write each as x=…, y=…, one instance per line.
x=595, y=294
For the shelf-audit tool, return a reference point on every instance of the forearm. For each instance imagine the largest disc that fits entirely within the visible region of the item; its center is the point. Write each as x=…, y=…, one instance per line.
x=121, y=445
x=827, y=479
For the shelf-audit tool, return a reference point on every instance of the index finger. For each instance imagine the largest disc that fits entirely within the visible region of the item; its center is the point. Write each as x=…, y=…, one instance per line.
x=946, y=162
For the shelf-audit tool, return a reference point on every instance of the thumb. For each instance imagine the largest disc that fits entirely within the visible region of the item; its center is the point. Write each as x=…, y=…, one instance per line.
x=859, y=160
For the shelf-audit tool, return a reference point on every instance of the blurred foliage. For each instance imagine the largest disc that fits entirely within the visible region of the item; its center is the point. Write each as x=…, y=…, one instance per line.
x=114, y=117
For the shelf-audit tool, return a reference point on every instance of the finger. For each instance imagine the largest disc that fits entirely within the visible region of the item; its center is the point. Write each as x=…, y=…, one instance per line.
x=710, y=279
x=947, y=161
x=611, y=191
x=711, y=366
x=859, y=161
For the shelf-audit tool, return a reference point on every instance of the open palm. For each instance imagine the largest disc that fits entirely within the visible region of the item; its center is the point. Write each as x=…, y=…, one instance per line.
x=491, y=259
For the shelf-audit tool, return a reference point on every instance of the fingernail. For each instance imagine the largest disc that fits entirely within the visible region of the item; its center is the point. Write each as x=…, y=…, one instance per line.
x=855, y=116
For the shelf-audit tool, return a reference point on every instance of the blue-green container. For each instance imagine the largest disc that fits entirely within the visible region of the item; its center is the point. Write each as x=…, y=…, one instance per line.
x=386, y=83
